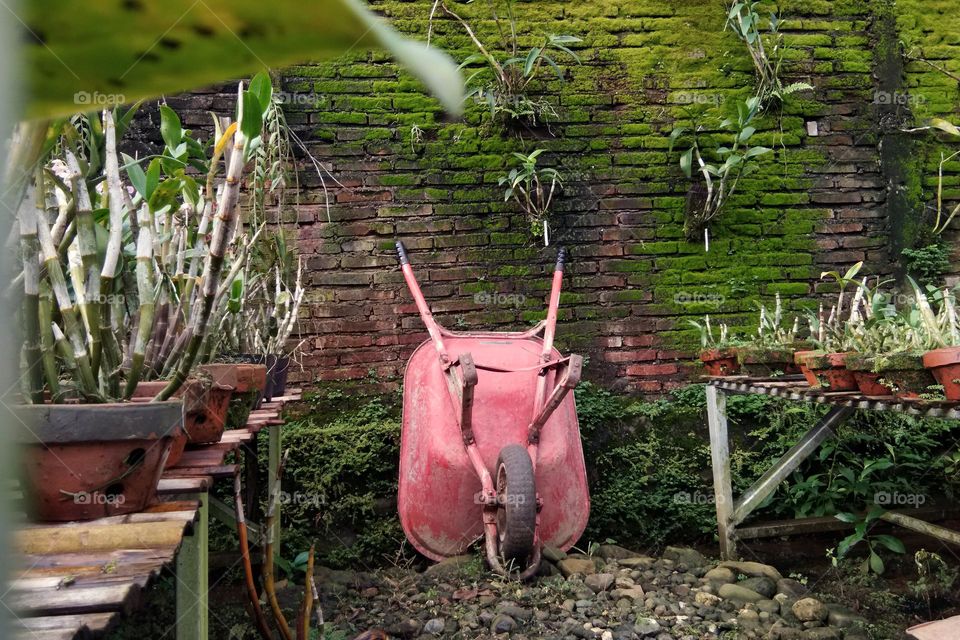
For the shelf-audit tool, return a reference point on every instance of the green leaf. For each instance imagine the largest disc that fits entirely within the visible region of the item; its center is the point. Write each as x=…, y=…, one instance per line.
x=262, y=87
x=686, y=163
x=844, y=516
x=943, y=125
x=251, y=116
x=531, y=60
x=87, y=53
x=137, y=177
x=891, y=542
x=170, y=128
x=753, y=152
x=153, y=178
x=876, y=563
x=746, y=133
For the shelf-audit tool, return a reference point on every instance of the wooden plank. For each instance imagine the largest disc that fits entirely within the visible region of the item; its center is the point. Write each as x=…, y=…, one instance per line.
x=94, y=622
x=169, y=515
x=214, y=471
x=193, y=581
x=821, y=524
x=52, y=634
x=65, y=563
x=51, y=540
x=722, y=484
x=183, y=486
x=52, y=602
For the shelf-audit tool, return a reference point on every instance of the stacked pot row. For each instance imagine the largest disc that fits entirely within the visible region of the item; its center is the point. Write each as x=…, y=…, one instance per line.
x=86, y=461
x=906, y=376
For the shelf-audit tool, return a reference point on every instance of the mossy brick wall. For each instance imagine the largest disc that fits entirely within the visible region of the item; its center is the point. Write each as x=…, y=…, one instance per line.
x=402, y=172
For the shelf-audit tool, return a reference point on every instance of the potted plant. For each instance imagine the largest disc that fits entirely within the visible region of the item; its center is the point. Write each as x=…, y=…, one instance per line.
x=718, y=353
x=771, y=351
x=943, y=361
x=96, y=322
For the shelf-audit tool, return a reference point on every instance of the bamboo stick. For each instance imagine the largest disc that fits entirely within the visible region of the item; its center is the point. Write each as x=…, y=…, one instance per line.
x=72, y=326
x=30, y=251
x=115, y=202
x=146, y=291
x=223, y=223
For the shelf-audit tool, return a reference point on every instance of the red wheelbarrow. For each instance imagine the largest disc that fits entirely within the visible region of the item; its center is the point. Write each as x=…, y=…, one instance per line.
x=490, y=443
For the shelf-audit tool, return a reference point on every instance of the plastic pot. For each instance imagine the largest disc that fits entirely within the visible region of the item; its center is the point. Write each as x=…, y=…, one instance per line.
x=277, y=369
x=869, y=382
x=86, y=461
x=717, y=362
x=944, y=364
x=831, y=371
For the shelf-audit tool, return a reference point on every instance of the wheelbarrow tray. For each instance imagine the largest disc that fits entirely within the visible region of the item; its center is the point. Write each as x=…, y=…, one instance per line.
x=439, y=491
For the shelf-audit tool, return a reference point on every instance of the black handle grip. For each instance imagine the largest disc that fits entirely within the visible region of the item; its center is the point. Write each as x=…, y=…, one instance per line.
x=561, y=258
x=402, y=252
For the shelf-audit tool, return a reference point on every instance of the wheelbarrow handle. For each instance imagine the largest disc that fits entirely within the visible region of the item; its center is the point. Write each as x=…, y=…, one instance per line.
x=402, y=252
x=561, y=258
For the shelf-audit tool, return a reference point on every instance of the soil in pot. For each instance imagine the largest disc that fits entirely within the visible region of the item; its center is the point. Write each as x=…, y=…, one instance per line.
x=868, y=381
x=767, y=362
x=944, y=364
x=90, y=461
x=905, y=374
x=717, y=362
x=831, y=371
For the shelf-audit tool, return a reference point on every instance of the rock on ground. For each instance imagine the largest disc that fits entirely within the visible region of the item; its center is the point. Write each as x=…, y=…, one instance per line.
x=617, y=594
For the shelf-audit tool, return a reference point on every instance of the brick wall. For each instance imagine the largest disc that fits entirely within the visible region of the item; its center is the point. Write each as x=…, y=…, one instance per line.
x=633, y=281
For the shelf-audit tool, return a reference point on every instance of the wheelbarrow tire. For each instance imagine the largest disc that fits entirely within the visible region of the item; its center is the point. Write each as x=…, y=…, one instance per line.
x=517, y=493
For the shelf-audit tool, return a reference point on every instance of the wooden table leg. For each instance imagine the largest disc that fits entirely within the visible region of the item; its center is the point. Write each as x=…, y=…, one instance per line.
x=273, y=455
x=193, y=578
x=720, y=458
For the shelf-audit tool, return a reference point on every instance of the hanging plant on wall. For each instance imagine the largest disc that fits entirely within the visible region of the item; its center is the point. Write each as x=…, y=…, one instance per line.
x=503, y=79
x=533, y=189
x=766, y=49
x=717, y=171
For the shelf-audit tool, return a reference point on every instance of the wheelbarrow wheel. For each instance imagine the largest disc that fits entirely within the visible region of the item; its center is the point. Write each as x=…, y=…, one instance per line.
x=517, y=503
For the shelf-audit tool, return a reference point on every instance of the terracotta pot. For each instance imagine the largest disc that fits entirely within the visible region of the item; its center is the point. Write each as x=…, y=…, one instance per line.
x=86, y=461
x=906, y=375
x=767, y=362
x=944, y=364
x=242, y=377
x=717, y=362
x=205, y=410
x=800, y=359
x=831, y=370
x=868, y=381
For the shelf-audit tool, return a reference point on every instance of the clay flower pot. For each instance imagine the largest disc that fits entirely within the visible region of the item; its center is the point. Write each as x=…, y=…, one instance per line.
x=717, y=362
x=767, y=362
x=868, y=381
x=246, y=380
x=831, y=371
x=906, y=374
x=800, y=359
x=86, y=461
x=944, y=364
x=205, y=411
